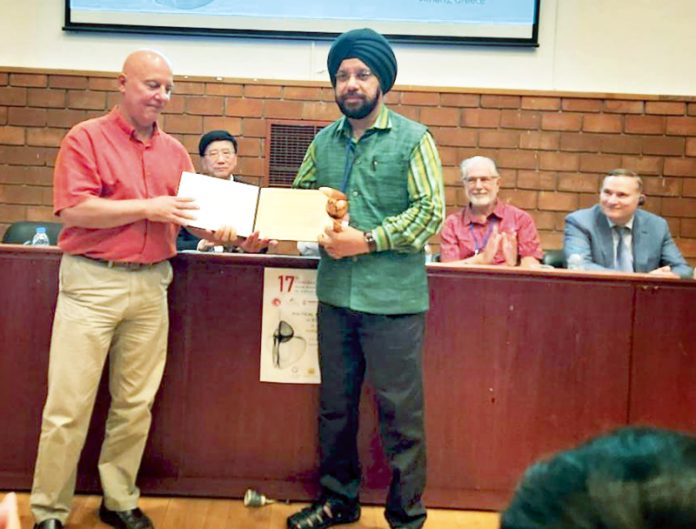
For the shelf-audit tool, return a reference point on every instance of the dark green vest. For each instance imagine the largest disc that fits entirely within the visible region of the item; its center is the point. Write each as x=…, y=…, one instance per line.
x=387, y=282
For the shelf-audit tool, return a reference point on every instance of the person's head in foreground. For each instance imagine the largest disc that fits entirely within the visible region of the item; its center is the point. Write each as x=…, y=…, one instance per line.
x=633, y=478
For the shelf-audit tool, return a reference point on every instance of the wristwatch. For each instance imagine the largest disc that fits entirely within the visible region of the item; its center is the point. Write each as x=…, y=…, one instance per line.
x=370, y=240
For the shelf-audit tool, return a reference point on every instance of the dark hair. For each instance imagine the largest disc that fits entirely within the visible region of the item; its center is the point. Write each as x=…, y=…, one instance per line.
x=633, y=478
x=215, y=135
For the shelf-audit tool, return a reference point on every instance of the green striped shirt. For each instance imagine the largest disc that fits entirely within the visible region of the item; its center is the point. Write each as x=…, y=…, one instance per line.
x=411, y=229
x=393, y=179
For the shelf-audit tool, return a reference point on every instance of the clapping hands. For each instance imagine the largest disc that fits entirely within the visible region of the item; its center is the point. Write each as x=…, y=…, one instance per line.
x=497, y=240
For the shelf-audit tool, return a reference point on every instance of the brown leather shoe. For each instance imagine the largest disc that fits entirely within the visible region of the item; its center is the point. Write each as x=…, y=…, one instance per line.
x=51, y=523
x=131, y=519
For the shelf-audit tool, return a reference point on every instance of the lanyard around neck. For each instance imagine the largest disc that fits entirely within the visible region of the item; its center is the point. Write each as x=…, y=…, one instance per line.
x=478, y=246
x=348, y=167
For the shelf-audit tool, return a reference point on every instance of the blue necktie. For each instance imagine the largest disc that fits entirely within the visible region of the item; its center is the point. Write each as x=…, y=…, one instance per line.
x=624, y=259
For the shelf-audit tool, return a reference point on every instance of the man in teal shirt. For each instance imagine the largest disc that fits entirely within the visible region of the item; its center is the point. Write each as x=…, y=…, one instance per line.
x=372, y=284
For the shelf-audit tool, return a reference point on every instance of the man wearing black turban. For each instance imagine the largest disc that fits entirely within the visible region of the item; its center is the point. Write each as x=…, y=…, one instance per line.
x=371, y=48
x=372, y=285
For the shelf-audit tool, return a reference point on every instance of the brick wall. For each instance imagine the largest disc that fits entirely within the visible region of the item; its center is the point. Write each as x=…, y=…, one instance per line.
x=552, y=148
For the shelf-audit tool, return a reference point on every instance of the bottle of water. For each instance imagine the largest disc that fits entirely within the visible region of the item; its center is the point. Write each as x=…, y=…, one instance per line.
x=428, y=253
x=40, y=238
x=575, y=262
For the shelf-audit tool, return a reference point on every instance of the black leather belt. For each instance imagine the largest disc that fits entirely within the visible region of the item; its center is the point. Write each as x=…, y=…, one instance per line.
x=120, y=264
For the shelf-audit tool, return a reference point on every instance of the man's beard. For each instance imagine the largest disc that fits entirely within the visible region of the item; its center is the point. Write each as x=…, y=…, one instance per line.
x=362, y=111
x=480, y=200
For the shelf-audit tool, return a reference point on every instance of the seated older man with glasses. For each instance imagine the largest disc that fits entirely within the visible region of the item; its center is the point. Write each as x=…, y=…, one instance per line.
x=218, y=151
x=488, y=231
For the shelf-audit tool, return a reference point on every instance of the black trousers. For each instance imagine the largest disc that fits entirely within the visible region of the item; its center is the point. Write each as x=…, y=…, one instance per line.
x=389, y=350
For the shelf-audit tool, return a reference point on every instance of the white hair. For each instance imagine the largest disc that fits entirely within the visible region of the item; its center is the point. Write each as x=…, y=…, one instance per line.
x=466, y=165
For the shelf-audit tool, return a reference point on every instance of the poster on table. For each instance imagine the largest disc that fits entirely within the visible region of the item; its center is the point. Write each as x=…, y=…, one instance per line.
x=289, y=352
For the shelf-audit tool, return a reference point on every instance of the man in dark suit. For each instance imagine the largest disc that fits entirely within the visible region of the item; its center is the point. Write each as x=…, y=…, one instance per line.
x=218, y=151
x=616, y=235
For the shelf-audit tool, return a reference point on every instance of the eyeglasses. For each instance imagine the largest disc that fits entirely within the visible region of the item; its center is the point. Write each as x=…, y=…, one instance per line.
x=360, y=75
x=483, y=180
x=225, y=153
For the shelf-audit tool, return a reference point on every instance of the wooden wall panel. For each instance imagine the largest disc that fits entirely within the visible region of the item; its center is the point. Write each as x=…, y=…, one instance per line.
x=517, y=365
x=663, y=381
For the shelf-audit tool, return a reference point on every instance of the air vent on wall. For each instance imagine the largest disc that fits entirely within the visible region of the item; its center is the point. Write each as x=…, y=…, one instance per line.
x=288, y=142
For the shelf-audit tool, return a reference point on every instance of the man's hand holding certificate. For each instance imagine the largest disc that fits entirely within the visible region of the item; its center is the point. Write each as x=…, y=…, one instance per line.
x=275, y=213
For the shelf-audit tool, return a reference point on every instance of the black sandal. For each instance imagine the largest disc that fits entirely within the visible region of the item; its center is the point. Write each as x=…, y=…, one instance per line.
x=325, y=513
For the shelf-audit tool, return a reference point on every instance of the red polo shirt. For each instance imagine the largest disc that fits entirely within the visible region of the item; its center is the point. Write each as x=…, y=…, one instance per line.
x=103, y=158
x=461, y=235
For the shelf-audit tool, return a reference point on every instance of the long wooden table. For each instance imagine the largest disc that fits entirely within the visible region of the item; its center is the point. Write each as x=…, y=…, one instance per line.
x=517, y=364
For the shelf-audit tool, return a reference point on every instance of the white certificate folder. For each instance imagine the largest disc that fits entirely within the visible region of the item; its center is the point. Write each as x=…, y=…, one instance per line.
x=276, y=213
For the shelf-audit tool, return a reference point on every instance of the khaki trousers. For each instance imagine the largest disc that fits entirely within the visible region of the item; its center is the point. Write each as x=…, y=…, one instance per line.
x=101, y=312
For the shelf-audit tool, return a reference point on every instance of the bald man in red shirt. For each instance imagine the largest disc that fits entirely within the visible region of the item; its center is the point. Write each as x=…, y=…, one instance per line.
x=115, y=183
